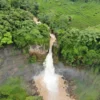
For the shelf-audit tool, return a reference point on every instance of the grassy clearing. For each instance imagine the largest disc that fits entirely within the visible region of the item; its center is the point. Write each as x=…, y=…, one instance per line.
x=83, y=14
x=88, y=89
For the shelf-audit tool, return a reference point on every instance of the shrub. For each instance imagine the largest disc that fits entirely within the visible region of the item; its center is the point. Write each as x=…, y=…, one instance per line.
x=4, y=5
x=12, y=90
x=32, y=59
x=34, y=98
x=80, y=47
x=31, y=34
x=6, y=39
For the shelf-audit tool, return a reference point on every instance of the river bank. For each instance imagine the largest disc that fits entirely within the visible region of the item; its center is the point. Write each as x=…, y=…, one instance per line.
x=13, y=63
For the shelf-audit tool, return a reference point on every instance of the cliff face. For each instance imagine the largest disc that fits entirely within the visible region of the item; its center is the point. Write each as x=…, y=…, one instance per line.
x=14, y=63
x=11, y=60
x=38, y=51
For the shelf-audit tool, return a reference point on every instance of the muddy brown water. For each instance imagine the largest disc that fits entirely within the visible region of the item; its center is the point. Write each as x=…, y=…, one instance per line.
x=47, y=95
x=15, y=64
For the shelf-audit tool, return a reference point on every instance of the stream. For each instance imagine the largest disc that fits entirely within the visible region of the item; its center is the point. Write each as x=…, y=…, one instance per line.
x=13, y=63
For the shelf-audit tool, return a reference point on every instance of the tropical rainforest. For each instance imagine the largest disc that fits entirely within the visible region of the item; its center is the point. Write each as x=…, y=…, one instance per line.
x=76, y=24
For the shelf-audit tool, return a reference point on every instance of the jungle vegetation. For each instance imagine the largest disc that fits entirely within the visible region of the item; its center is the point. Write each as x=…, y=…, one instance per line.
x=75, y=22
x=13, y=89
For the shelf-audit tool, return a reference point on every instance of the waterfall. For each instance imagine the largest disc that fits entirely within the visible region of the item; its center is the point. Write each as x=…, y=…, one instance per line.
x=50, y=78
x=51, y=85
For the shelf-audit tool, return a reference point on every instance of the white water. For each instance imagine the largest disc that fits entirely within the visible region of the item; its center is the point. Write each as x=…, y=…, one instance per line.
x=50, y=85
x=50, y=78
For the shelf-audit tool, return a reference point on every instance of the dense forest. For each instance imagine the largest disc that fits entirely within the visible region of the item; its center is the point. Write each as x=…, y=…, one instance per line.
x=76, y=24
x=77, y=27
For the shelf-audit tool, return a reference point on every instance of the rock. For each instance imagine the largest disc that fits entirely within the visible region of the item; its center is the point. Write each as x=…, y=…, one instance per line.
x=1, y=61
x=38, y=93
x=38, y=51
x=34, y=92
x=65, y=82
x=31, y=81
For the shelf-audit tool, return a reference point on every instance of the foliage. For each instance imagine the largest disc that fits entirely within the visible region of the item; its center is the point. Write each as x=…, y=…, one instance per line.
x=79, y=12
x=32, y=59
x=86, y=1
x=7, y=39
x=30, y=34
x=91, y=85
x=4, y=5
x=28, y=5
x=33, y=98
x=18, y=27
x=81, y=47
x=78, y=45
x=76, y=24
x=12, y=90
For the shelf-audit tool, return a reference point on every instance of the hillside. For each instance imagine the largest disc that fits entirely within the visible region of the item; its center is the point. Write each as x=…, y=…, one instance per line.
x=76, y=25
x=82, y=14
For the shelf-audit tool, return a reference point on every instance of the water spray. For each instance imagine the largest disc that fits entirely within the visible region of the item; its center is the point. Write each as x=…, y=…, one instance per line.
x=51, y=85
